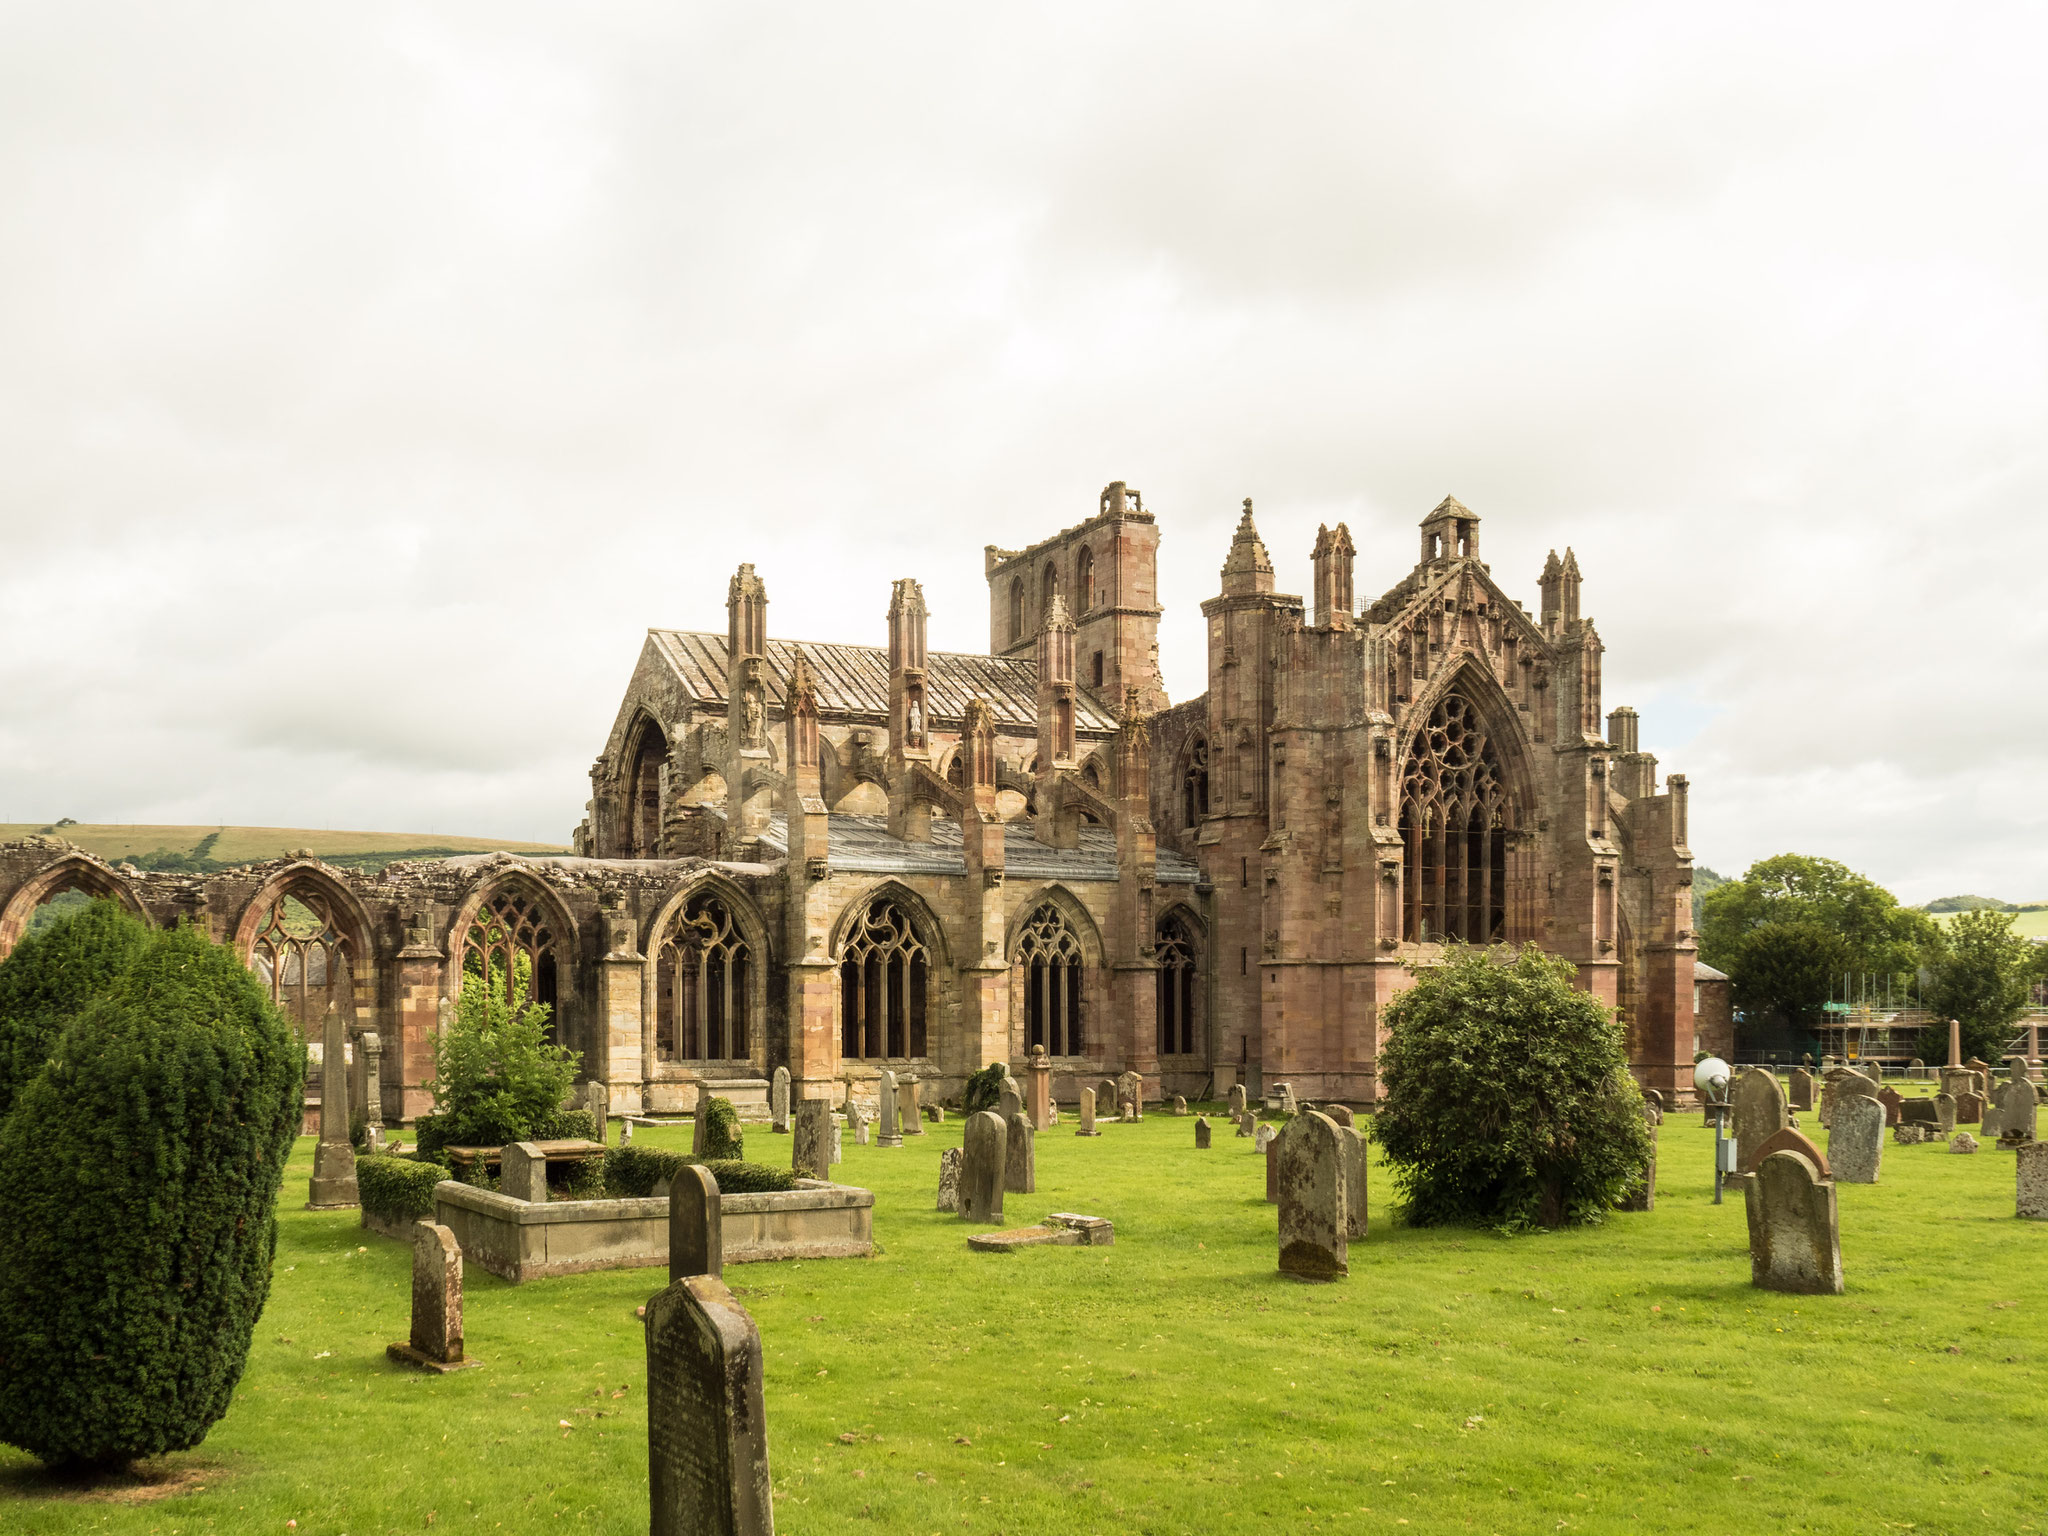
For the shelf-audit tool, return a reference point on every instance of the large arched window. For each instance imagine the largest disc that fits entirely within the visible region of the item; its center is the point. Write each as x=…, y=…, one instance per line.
x=1048, y=586
x=1176, y=950
x=302, y=958
x=885, y=984
x=702, y=985
x=1453, y=830
x=1084, y=584
x=510, y=946
x=1049, y=952
x=1017, y=610
x=643, y=794
x=1194, y=784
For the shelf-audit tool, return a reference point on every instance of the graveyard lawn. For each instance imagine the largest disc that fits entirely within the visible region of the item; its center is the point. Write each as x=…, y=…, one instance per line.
x=1624, y=1378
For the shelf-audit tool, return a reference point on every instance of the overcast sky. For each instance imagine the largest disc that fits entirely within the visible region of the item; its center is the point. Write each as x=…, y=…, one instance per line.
x=372, y=377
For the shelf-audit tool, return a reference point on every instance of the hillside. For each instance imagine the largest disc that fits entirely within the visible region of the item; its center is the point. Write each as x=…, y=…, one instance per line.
x=199, y=849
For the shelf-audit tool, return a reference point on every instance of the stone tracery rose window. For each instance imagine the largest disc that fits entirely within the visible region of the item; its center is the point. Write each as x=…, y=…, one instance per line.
x=1049, y=952
x=1176, y=952
x=885, y=985
x=702, y=986
x=1454, y=813
x=510, y=946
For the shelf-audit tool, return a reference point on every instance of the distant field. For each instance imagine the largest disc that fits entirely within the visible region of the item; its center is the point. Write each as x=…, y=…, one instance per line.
x=247, y=845
x=2033, y=925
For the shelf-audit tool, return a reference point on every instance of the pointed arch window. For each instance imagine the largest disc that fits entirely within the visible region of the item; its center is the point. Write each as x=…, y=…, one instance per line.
x=643, y=794
x=1084, y=585
x=1049, y=586
x=1017, y=610
x=1175, y=947
x=1050, y=954
x=302, y=958
x=1194, y=788
x=703, y=985
x=1454, y=815
x=510, y=946
x=885, y=984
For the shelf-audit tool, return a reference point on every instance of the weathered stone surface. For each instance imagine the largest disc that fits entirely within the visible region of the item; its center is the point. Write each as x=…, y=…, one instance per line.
x=1202, y=1132
x=333, y=1185
x=1891, y=1099
x=887, y=1133
x=1263, y=1135
x=1920, y=1112
x=696, y=1236
x=1246, y=1124
x=1314, y=1200
x=1236, y=1102
x=907, y=1090
x=982, y=1166
x=1127, y=1113
x=1945, y=1112
x=1962, y=1142
x=1911, y=1133
x=2018, y=1104
x=436, y=1340
x=1794, y=1238
x=778, y=1102
x=1087, y=1126
x=1010, y=1101
x=1020, y=1157
x=1356, y=1192
x=597, y=1102
x=1969, y=1109
x=1180, y=1105
x=935, y=1114
x=1107, y=1102
x=949, y=1180
x=810, y=1152
x=1339, y=1113
x=1758, y=1111
x=1791, y=1140
x=707, y=1434
x=523, y=1172
x=857, y=1121
x=2030, y=1181
x=1060, y=1230
x=1270, y=1150
x=1856, y=1140
x=1802, y=1088
x=1038, y=1091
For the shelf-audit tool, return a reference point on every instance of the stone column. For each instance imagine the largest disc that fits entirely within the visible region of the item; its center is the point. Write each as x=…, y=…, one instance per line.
x=623, y=1062
x=421, y=1011
x=1038, y=1092
x=369, y=1076
x=333, y=1186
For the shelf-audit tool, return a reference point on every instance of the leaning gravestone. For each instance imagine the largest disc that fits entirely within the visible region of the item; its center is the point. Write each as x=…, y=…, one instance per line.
x=333, y=1185
x=949, y=1180
x=1794, y=1236
x=811, y=1150
x=1759, y=1113
x=523, y=1172
x=1087, y=1114
x=2030, y=1181
x=1202, y=1132
x=982, y=1166
x=1020, y=1160
x=696, y=1231
x=436, y=1342
x=778, y=1102
x=1314, y=1200
x=1802, y=1088
x=707, y=1434
x=1352, y=1140
x=1856, y=1140
x=886, y=1133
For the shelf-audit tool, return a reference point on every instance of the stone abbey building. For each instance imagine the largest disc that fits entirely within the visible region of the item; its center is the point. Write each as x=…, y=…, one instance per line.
x=840, y=857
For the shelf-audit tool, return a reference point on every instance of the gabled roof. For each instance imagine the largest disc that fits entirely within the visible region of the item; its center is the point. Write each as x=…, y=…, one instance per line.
x=853, y=681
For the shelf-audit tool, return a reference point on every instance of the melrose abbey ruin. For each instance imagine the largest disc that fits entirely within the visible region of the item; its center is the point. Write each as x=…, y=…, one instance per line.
x=841, y=858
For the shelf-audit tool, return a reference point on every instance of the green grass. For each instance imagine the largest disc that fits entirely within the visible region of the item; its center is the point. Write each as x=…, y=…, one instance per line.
x=247, y=845
x=1623, y=1378
x=2031, y=925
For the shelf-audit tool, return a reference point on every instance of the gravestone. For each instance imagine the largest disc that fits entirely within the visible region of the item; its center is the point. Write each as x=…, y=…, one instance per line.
x=1009, y=1102
x=811, y=1150
x=1130, y=1089
x=523, y=1172
x=949, y=1180
x=366, y=1087
x=1127, y=1113
x=1790, y=1140
x=1202, y=1132
x=1923, y=1112
x=707, y=1434
x=1271, y=1151
x=857, y=1121
x=935, y=1114
x=1038, y=1095
x=1340, y=1113
x=1236, y=1101
x=1992, y=1122
x=982, y=1166
x=1245, y=1122
x=1891, y=1099
x=1180, y=1105
x=838, y=1152
x=1962, y=1142
x=1087, y=1127
x=1945, y=1112
x=1794, y=1235
x=333, y=1185
x=1969, y=1108
x=1758, y=1110
x=1352, y=1140
x=1643, y=1196
x=2030, y=1182
x=696, y=1235
x=2018, y=1105
x=907, y=1090
x=1263, y=1136
x=1856, y=1140
x=1106, y=1101
x=1314, y=1200
x=597, y=1102
x=625, y=1132
x=778, y=1102
x=1802, y=1088
x=886, y=1133
x=1020, y=1156
x=436, y=1342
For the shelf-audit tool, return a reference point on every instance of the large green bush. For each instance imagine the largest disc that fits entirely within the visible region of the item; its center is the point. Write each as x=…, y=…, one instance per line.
x=1508, y=1099
x=397, y=1188
x=497, y=1076
x=142, y=1166
x=50, y=976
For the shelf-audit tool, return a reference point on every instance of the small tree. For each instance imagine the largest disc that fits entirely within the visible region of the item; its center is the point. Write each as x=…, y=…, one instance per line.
x=50, y=976
x=140, y=1205
x=1983, y=973
x=1509, y=1102
x=497, y=1076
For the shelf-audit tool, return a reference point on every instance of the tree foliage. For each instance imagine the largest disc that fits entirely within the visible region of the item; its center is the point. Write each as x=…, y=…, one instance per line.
x=1508, y=1099
x=1982, y=974
x=142, y=1163
x=50, y=976
x=984, y=1088
x=497, y=1076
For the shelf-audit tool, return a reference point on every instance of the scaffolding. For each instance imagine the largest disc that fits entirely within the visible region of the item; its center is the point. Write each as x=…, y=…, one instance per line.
x=1874, y=1017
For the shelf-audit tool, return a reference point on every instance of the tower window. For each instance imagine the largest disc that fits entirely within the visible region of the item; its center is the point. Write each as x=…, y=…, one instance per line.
x=1097, y=668
x=1084, y=580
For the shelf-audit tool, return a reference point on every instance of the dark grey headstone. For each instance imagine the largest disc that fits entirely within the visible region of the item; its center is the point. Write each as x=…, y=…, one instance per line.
x=1202, y=1132
x=707, y=1434
x=810, y=1151
x=1313, y=1198
x=696, y=1241
x=1020, y=1157
x=984, y=1150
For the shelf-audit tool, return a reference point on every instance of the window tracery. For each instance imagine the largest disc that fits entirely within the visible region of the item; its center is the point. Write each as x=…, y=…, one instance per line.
x=1175, y=947
x=885, y=985
x=510, y=946
x=1049, y=951
x=1454, y=812
x=703, y=985
x=302, y=958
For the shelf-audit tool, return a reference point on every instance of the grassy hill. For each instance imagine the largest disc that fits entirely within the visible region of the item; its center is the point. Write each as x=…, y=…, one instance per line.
x=2031, y=923
x=206, y=848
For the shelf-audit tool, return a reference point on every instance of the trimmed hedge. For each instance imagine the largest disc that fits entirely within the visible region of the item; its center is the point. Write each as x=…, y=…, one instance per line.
x=631, y=1173
x=49, y=977
x=722, y=1136
x=397, y=1188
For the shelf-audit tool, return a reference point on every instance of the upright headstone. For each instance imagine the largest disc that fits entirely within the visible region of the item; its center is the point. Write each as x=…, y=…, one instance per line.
x=1130, y=1089
x=2019, y=1105
x=1107, y=1100
x=1128, y=1113
x=1352, y=1140
x=982, y=1165
x=886, y=1133
x=811, y=1149
x=1992, y=1124
x=1270, y=1150
x=1969, y=1108
x=778, y=1102
x=934, y=1114
x=1945, y=1112
x=1286, y=1094
x=436, y=1341
x=1087, y=1127
x=1794, y=1237
x=696, y=1236
x=368, y=1084
x=949, y=1180
x=1009, y=1101
x=707, y=1433
x=1790, y=1140
x=1891, y=1099
x=1247, y=1123
x=1038, y=1088
x=1202, y=1132
x=907, y=1089
x=1020, y=1157
x=1180, y=1105
x=1802, y=1088
x=1758, y=1109
x=597, y=1103
x=1237, y=1100
x=1341, y=1113
x=1856, y=1140
x=1314, y=1199
x=523, y=1172
x=1263, y=1136
x=838, y=1152
x=857, y=1121
x=2030, y=1182
x=333, y=1185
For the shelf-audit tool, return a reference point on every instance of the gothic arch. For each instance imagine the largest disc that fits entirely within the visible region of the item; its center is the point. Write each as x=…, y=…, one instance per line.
x=1497, y=712
x=71, y=872
x=696, y=1014
x=292, y=960
x=929, y=930
x=1459, y=811
x=1180, y=943
x=354, y=917
x=889, y=948
x=555, y=985
x=1070, y=907
x=640, y=772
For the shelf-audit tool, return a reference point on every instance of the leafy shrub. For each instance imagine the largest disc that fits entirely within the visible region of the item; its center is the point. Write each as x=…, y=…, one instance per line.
x=397, y=1188
x=742, y=1178
x=50, y=976
x=631, y=1173
x=568, y=1125
x=1508, y=1100
x=143, y=1164
x=722, y=1138
x=497, y=1077
x=984, y=1089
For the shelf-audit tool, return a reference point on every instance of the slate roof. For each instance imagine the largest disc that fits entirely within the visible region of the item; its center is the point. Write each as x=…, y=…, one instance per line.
x=853, y=680
x=1701, y=971
x=862, y=845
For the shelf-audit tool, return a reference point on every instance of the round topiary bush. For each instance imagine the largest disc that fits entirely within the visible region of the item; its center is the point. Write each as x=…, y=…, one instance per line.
x=1508, y=1098
x=142, y=1165
x=49, y=977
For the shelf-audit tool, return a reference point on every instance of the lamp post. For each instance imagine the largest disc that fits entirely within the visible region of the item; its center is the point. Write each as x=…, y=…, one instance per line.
x=1710, y=1077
